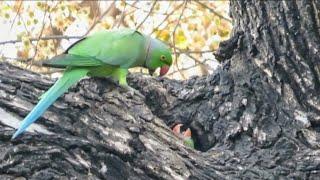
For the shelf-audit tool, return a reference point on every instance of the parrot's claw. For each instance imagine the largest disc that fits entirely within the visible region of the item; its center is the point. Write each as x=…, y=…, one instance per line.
x=133, y=91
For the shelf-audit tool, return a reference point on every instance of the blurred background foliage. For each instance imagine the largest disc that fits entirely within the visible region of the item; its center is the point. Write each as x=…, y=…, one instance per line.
x=35, y=30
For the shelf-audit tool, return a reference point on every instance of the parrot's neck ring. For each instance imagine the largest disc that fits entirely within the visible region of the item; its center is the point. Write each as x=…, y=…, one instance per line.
x=147, y=59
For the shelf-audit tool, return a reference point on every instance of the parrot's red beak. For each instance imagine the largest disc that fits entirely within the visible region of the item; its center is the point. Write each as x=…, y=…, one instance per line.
x=164, y=69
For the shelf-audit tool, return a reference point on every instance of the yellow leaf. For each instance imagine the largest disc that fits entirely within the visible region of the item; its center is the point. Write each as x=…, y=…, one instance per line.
x=105, y=25
x=223, y=32
x=31, y=14
x=217, y=21
x=164, y=35
x=39, y=4
x=85, y=11
x=7, y=16
x=157, y=7
x=206, y=21
x=199, y=42
x=192, y=27
x=24, y=54
x=28, y=22
x=180, y=39
x=26, y=41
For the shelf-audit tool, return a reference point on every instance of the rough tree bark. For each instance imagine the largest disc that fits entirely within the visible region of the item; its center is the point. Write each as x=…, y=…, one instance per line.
x=257, y=117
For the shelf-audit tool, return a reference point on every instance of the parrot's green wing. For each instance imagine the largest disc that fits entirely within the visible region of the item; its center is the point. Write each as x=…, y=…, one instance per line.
x=64, y=60
x=118, y=48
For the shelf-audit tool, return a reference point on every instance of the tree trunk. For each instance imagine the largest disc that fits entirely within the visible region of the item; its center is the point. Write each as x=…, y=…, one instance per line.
x=257, y=117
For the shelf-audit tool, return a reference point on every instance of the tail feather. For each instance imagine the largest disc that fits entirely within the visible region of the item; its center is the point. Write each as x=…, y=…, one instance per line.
x=69, y=77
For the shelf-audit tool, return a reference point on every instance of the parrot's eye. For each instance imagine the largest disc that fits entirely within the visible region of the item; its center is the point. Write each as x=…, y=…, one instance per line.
x=162, y=58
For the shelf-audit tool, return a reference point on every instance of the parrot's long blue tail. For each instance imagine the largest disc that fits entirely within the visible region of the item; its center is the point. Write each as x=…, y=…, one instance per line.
x=69, y=77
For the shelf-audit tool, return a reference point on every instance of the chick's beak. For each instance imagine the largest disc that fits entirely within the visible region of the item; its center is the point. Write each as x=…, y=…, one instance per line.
x=187, y=133
x=164, y=69
x=176, y=129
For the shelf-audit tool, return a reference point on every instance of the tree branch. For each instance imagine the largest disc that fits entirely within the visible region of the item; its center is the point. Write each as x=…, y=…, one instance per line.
x=117, y=23
x=40, y=35
x=99, y=19
x=15, y=17
x=194, y=52
x=151, y=9
x=42, y=38
x=213, y=11
x=174, y=35
x=190, y=67
x=165, y=19
x=144, y=10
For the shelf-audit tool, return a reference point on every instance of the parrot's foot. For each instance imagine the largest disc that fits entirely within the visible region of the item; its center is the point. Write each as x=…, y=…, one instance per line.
x=132, y=91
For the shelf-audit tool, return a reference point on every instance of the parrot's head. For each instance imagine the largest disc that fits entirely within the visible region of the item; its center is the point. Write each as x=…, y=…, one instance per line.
x=158, y=56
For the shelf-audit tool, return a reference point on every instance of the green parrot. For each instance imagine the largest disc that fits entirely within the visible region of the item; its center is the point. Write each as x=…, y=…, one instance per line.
x=185, y=135
x=106, y=53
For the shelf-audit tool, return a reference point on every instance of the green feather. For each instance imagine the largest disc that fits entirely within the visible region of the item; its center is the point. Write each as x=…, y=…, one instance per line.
x=189, y=142
x=65, y=60
x=124, y=48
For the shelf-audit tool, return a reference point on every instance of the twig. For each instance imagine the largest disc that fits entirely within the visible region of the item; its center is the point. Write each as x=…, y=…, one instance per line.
x=204, y=68
x=174, y=35
x=188, y=53
x=151, y=9
x=190, y=67
x=144, y=10
x=51, y=26
x=24, y=24
x=99, y=19
x=195, y=59
x=15, y=17
x=26, y=28
x=16, y=59
x=165, y=19
x=213, y=11
x=41, y=32
x=181, y=51
x=42, y=38
x=25, y=61
x=194, y=52
x=118, y=23
x=51, y=71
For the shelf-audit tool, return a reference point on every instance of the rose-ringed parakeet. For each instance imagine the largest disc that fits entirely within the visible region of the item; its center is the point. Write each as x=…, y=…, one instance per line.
x=107, y=53
x=184, y=134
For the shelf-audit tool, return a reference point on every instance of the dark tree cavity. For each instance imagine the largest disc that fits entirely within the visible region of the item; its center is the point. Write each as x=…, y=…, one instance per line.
x=256, y=117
